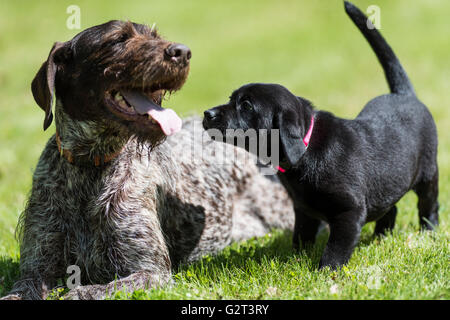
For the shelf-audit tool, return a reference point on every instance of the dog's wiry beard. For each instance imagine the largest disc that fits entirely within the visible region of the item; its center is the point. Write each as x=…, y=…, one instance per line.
x=148, y=142
x=87, y=139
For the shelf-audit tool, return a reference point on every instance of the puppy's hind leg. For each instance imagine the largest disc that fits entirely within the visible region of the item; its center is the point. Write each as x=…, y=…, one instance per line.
x=386, y=223
x=428, y=205
x=305, y=229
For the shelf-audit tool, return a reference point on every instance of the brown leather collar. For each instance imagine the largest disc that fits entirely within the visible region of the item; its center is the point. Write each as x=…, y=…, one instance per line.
x=98, y=159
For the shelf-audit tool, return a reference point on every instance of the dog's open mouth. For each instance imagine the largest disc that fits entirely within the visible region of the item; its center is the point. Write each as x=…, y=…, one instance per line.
x=144, y=106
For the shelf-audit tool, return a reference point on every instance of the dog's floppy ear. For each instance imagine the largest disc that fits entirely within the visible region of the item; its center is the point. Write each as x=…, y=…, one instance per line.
x=43, y=85
x=290, y=138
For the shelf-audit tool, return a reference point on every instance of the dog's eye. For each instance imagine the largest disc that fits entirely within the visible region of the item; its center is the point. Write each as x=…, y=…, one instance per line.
x=122, y=38
x=246, y=105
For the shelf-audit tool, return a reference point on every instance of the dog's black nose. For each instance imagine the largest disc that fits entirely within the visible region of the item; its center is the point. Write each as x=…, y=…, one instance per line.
x=178, y=51
x=210, y=114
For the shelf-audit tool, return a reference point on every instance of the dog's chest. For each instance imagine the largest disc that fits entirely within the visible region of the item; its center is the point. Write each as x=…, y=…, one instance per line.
x=116, y=218
x=311, y=200
x=78, y=196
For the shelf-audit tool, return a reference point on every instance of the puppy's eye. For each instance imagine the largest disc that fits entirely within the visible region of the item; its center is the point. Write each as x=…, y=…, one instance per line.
x=246, y=105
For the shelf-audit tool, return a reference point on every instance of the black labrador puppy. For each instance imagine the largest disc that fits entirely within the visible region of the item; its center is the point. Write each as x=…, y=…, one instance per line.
x=345, y=172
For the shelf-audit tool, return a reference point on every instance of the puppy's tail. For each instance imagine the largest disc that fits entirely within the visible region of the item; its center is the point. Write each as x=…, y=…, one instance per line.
x=395, y=74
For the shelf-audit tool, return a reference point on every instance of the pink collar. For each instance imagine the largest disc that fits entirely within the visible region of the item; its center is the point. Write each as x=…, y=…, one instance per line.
x=308, y=134
x=305, y=140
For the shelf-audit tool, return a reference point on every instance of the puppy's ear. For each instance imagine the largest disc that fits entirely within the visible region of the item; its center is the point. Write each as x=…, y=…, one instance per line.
x=291, y=139
x=43, y=85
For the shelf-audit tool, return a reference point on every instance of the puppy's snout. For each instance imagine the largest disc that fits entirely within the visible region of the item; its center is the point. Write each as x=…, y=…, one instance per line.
x=178, y=51
x=210, y=114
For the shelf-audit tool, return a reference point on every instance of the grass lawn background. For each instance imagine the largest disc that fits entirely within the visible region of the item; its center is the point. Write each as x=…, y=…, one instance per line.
x=313, y=49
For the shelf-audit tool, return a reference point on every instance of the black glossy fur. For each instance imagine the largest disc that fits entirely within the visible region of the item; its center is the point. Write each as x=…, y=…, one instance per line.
x=354, y=171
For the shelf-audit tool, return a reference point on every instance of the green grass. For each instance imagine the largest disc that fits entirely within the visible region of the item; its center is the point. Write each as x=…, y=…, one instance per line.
x=266, y=268
x=311, y=48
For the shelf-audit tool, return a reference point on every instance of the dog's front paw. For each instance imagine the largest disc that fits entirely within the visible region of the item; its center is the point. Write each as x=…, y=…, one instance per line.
x=91, y=292
x=11, y=297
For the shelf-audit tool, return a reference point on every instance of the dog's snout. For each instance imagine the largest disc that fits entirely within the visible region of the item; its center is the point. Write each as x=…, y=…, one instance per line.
x=210, y=114
x=178, y=51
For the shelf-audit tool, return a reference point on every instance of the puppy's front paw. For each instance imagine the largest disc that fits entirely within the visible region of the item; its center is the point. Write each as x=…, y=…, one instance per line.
x=296, y=244
x=332, y=267
x=330, y=262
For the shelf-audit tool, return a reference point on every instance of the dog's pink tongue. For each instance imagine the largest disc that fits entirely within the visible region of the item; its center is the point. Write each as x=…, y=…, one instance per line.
x=167, y=119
